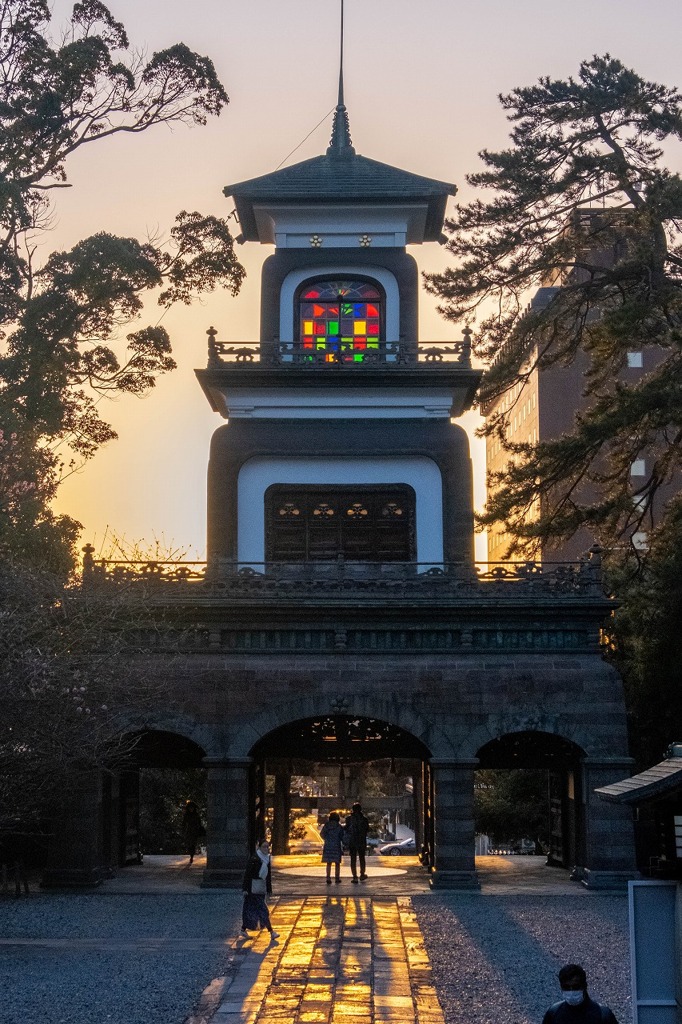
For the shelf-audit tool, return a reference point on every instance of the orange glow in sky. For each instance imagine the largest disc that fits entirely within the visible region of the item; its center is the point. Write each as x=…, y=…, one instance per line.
x=421, y=85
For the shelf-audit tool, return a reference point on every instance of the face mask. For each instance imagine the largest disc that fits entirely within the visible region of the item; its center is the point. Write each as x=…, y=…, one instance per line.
x=572, y=997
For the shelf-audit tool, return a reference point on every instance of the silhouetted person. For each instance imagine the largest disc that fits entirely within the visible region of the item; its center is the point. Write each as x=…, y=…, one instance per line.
x=357, y=827
x=13, y=859
x=575, y=1006
x=192, y=828
x=332, y=851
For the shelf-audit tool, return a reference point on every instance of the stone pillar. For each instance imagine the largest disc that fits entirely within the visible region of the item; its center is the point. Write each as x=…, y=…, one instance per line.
x=608, y=840
x=259, y=801
x=455, y=866
x=678, y=950
x=418, y=798
x=427, y=801
x=74, y=851
x=229, y=826
x=281, y=811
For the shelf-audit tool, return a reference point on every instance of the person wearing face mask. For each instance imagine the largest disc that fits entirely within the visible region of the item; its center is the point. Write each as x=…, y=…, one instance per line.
x=575, y=1005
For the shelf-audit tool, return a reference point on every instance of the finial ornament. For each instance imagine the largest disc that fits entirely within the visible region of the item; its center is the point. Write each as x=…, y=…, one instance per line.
x=340, y=144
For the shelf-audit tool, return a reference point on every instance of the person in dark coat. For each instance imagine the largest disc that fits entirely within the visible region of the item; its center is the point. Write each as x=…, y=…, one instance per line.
x=357, y=827
x=257, y=884
x=575, y=1006
x=332, y=851
x=192, y=828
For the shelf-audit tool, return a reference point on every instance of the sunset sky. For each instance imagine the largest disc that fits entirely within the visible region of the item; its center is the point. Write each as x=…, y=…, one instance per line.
x=421, y=88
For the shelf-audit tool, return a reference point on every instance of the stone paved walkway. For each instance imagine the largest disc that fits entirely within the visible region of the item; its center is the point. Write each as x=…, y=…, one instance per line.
x=338, y=960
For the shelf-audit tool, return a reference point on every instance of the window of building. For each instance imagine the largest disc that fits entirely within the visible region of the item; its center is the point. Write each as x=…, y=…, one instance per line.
x=635, y=360
x=341, y=320
x=318, y=524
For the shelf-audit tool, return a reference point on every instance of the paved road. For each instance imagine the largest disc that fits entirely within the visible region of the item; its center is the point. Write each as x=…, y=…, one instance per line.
x=337, y=960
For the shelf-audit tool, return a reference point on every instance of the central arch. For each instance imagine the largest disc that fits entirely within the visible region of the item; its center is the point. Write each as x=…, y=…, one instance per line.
x=347, y=742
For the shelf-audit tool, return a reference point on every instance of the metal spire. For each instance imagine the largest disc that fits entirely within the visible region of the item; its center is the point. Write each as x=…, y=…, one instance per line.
x=340, y=144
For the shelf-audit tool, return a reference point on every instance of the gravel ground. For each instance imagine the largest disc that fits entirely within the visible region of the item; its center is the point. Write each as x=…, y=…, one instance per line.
x=142, y=983
x=147, y=958
x=495, y=959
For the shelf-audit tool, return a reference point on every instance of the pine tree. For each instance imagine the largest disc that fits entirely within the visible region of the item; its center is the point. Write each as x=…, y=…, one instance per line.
x=582, y=206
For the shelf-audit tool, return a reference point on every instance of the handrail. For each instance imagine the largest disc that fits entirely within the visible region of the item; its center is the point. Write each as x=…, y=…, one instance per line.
x=446, y=578
x=348, y=354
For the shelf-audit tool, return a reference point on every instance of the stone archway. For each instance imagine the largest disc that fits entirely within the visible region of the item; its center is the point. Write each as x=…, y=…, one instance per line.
x=160, y=758
x=344, y=741
x=338, y=738
x=99, y=826
x=561, y=760
x=593, y=839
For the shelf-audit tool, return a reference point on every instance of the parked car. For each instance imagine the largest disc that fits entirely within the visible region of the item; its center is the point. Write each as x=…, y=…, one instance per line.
x=403, y=848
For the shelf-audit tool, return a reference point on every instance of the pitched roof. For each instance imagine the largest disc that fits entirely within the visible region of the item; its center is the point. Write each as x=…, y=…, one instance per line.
x=329, y=178
x=335, y=178
x=663, y=778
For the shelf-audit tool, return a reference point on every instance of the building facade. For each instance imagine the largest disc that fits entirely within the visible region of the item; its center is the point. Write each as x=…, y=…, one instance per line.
x=340, y=617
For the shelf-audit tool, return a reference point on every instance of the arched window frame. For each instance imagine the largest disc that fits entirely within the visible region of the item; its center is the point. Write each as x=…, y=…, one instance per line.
x=300, y=275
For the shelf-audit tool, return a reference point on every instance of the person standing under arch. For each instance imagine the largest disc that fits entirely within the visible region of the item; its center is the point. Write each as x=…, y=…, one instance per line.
x=332, y=851
x=357, y=827
x=192, y=828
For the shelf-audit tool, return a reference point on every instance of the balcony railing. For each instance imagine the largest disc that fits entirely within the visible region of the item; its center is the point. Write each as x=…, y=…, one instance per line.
x=342, y=353
x=341, y=579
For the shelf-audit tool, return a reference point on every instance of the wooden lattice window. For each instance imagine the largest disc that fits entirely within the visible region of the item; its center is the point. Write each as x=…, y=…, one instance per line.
x=363, y=523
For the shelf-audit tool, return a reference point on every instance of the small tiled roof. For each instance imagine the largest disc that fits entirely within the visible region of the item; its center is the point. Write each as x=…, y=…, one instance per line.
x=332, y=179
x=662, y=779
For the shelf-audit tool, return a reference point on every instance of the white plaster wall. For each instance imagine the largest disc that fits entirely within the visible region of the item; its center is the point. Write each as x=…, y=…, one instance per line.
x=296, y=277
x=420, y=473
x=339, y=403
x=341, y=225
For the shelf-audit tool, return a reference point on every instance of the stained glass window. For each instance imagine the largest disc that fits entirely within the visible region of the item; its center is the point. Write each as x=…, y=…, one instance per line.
x=341, y=320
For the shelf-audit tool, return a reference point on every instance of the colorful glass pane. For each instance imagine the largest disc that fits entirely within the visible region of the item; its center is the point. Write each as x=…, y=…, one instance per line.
x=344, y=327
